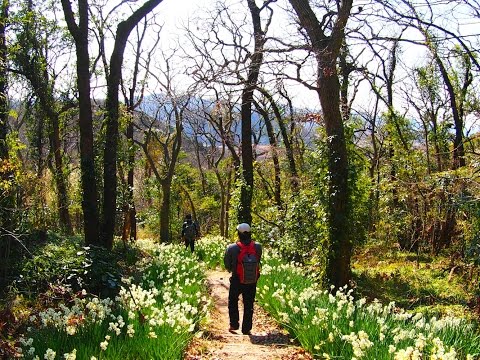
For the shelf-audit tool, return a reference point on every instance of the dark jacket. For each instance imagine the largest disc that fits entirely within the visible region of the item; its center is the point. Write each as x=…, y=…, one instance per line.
x=188, y=222
x=231, y=256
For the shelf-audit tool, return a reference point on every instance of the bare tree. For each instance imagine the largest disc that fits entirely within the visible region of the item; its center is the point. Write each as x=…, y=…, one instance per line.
x=112, y=115
x=218, y=132
x=256, y=59
x=162, y=140
x=435, y=36
x=430, y=106
x=285, y=136
x=224, y=56
x=264, y=111
x=133, y=98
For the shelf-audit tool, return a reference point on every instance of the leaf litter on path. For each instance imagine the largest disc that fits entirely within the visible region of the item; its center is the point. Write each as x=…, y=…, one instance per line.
x=267, y=341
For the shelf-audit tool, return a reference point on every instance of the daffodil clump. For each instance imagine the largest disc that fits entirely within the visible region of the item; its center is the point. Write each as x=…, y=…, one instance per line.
x=210, y=249
x=153, y=317
x=333, y=324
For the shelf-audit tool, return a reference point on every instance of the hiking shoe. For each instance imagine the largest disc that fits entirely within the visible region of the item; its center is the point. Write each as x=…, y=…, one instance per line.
x=232, y=328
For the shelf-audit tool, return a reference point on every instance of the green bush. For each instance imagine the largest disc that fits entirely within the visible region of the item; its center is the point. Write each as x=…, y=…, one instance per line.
x=64, y=262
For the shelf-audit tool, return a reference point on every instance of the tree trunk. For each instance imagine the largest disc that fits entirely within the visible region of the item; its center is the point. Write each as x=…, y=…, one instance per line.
x=87, y=156
x=246, y=191
x=3, y=82
x=338, y=269
x=112, y=109
x=170, y=160
x=165, y=211
x=438, y=155
x=286, y=142
x=276, y=164
x=59, y=176
x=326, y=50
x=200, y=168
x=129, y=231
x=231, y=174
x=7, y=199
x=221, y=185
x=292, y=142
x=132, y=213
x=458, y=149
x=190, y=202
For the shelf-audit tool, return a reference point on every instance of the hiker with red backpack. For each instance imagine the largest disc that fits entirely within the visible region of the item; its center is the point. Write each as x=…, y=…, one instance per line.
x=242, y=259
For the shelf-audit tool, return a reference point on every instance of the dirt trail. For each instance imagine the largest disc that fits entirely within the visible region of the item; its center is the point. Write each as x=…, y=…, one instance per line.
x=267, y=341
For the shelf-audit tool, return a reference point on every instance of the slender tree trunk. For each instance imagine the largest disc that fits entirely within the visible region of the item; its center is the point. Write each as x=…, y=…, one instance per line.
x=87, y=155
x=292, y=142
x=231, y=175
x=6, y=198
x=286, y=142
x=129, y=231
x=190, y=202
x=276, y=164
x=170, y=161
x=438, y=156
x=3, y=82
x=132, y=213
x=374, y=171
x=60, y=179
x=246, y=192
x=221, y=185
x=200, y=168
x=458, y=149
x=165, y=211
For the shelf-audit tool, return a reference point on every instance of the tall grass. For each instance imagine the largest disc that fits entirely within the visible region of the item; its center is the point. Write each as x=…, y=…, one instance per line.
x=332, y=323
x=153, y=317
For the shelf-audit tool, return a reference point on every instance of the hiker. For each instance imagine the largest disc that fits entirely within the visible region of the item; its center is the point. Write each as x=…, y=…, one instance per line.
x=189, y=232
x=242, y=259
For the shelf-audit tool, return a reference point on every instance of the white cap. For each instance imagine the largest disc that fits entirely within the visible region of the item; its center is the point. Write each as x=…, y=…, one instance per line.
x=243, y=227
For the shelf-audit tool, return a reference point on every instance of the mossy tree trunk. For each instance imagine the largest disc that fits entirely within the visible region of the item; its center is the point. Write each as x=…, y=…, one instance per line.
x=326, y=49
x=87, y=156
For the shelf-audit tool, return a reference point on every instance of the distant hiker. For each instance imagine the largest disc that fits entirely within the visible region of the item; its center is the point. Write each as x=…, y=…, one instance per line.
x=189, y=232
x=242, y=259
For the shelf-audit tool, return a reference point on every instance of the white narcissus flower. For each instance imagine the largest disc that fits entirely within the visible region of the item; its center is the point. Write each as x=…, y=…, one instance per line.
x=71, y=356
x=71, y=330
x=104, y=345
x=49, y=354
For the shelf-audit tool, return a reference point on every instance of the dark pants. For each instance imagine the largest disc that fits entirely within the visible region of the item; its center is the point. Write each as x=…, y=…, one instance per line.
x=191, y=243
x=248, y=295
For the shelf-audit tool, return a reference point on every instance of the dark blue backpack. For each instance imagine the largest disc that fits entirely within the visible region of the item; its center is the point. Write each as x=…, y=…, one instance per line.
x=189, y=230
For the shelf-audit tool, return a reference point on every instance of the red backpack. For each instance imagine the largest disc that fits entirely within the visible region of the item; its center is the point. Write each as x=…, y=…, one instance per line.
x=248, y=264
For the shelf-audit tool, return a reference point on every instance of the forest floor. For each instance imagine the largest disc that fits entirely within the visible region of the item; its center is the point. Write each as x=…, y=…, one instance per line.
x=267, y=341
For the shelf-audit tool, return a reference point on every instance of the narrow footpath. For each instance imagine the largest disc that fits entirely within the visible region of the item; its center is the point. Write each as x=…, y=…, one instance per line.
x=268, y=340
